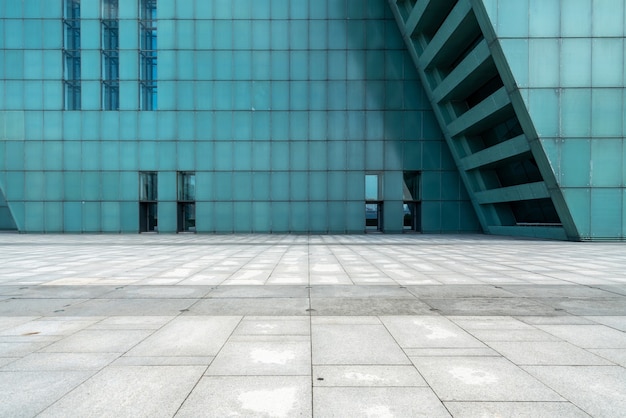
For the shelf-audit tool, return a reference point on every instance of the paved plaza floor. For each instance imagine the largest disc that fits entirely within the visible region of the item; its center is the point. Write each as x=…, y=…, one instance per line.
x=301, y=326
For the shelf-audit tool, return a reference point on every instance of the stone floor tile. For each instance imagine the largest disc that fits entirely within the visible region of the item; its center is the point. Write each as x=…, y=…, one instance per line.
x=132, y=322
x=158, y=292
x=355, y=375
x=488, y=335
x=13, y=321
x=345, y=320
x=481, y=379
x=256, y=358
x=376, y=402
x=44, y=328
x=428, y=331
x=368, y=306
x=355, y=344
x=24, y=394
x=359, y=292
x=127, y=307
x=616, y=355
x=588, y=336
x=617, y=322
x=250, y=306
x=269, y=325
x=489, y=306
x=19, y=349
x=546, y=353
x=600, y=391
x=452, y=352
x=276, y=291
x=61, y=362
x=162, y=361
x=489, y=322
x=514, y=409
x=188, y=336
x=259, y=396
x=98, y=341
x=137, y=391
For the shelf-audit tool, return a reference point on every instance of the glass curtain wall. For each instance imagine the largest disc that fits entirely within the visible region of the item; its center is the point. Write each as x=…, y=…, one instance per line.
x=71, y=53
x=148, y=55
x=110, y=55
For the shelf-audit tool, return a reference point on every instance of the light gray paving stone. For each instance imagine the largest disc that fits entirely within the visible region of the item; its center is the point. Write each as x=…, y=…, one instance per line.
x=256, y=357
x=259, y=396
x=428, y=331
x=20, y=349
x=155, y=391
x=24, y=394
x=588, y=306
x=617, y=322
x=556, y=291
x=458, y=291
x=127, y=307
x=367, y=306
x=37, y=307
x=616, y=355
x=598, y=390
x=376, y=402
x=274, y=326
x=98, y=341
x=14, y=321
x=561, y=319
x=359, y=292
x=188, y=336
x=488, y=335
x=162, y=361
x=489, y=322
x=158, y=292
x=452, y=352
x=355, y=344
x=251, y=306
x=47, y=291
x=345, y=320
x=355, y=375
x=489, y=306
x=132, y=322
x=546, y=353
x=7, y=360
x=62, y=362
x=275, y=291
x=514, y=409
x=42, y=328
x=588, y=336
x=481, y=379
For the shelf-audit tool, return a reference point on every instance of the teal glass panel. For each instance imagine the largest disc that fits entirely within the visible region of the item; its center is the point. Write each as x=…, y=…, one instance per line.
x=90, y=185
x=317, y=153
x=34, y=185
x=355, y=216
x=110, y=216
x=16, y=180
x=607, y=68
x=204, y=185
x=280, y=125
x=280, y=216
x=608, y=18
x=318, y=217
x=299, y=185
x=241, y=185
x=186, y=152
x=606, y=212
x=575, y=21
x=34, y=216
x=544, y=111
x=318, y=36
x=261, y=217
x=130, y=191
x=318, y=185
x=338, y=69
x=242, y=126
x=374, y=155
x=355, y=155
x=336, y=185
x=91, y=216
x=317, y=126
x=53, y=151
x=576, y=112
x=606, y=112
x=575, y=163
x=224, y=155
x=129, y=216
x=110, y=185
x=543, y=62
x=242, y=100
x=575, y=62
x=355, y=186
x=544, y=18
x=280, y=155
x=393, y=155
x=516, y=52
x=261, y=94
x=222, y=185
x=298, y=156
x=279, y=185
x=260, y=155
x=299, y=216
x=356, y=65
x=317, y=95
x=242, y=155
x=224, y=216
x=298, y=33
x=53, y=216
x=607, y=155
x=72, y=216
x=242, y=212
x=90, y=155
x=33, y=153
x=54, y=185
x=337, y=124
x=167, y=217
x=261, y=125
x=298, y=126
x=261, y=34
x=374, y=126
x=298, y=92
x=204, y=217
x=53, y=31
x=337, y=155
x=90, y=126
x=14, y=33
x=260, y=186
x=513, y=19
x=167, y=156
x=336, y=217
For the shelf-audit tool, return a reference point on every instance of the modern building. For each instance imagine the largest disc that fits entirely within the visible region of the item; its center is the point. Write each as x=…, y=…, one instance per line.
x=314, y=116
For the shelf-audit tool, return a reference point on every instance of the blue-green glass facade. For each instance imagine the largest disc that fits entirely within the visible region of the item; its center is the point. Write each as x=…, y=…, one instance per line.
x=531, y=98
x=272, y=111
